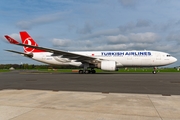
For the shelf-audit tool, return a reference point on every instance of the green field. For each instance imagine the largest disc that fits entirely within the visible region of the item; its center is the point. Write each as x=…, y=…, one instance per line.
x=121, y=70
x=127, y=70
x=4, y=70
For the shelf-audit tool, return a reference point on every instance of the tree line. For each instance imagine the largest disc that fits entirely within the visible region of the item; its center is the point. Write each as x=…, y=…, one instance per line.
x=32, y=66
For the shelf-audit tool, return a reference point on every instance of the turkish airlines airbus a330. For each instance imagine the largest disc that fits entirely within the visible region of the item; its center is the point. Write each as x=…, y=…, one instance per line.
x=88, y=60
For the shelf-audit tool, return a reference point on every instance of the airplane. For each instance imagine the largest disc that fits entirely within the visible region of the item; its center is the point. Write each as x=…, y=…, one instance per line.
x=88, y=60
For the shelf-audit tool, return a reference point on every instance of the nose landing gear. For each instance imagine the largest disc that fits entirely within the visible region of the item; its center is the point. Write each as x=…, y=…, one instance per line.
x=154, y=70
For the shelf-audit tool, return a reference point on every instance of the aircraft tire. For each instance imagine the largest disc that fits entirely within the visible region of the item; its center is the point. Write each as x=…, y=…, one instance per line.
x=80, y=71
x=154, y=72
x=93, y=71
x=87, y=71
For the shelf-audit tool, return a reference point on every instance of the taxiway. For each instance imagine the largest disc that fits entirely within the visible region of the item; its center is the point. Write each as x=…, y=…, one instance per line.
x=62, y=96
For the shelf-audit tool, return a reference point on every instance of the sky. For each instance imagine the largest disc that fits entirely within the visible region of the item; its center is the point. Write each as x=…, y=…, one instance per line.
x=86, y=25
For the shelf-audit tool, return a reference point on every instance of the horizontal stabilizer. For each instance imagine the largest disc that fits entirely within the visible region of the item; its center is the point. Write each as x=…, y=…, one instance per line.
x=25, y=54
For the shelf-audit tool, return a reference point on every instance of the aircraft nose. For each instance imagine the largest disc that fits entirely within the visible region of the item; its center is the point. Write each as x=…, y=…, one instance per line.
x=174, y=59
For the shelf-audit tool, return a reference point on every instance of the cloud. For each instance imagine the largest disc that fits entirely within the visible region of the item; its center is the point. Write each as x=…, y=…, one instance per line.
x=112, y=47
x=170, y=48
x=132, y=41
x=167, y=26
x=174, y=37
x=101, y=33
x=139, y=25
x=86, y=29
x=28, y=24
x=119, y=39
x=61, y=42
x=148, y=37
x=143, y=23
x=139, y=46
x=127, y=27
x=123, y=46
x=86, y=43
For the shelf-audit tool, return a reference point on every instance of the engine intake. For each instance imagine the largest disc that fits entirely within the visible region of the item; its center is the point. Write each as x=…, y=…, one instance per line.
x=107, y=65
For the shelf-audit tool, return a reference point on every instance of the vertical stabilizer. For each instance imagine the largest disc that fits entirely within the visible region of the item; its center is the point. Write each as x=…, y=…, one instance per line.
x=27, y=39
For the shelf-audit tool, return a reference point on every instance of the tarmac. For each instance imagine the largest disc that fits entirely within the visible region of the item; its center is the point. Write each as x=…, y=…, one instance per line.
x=32, y=95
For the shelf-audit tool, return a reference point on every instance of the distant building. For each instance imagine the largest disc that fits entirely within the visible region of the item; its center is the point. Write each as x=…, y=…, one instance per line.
x=11, y=68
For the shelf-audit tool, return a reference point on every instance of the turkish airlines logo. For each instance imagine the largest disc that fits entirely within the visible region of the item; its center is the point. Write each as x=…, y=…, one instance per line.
x=29, y=41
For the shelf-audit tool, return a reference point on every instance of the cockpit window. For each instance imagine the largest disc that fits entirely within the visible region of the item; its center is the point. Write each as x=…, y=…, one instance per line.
x=168, y=55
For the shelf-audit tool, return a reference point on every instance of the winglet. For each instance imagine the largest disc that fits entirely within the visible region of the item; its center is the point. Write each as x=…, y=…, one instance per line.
x=11, y=40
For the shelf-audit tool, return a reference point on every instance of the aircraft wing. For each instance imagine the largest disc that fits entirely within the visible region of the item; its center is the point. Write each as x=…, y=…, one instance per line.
x=64, y=54
x=72, y=56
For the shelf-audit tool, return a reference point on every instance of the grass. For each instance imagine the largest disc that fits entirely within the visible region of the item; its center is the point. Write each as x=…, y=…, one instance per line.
x=149, y=70
x=121, y=70
x=124, y=70
x=4, y=70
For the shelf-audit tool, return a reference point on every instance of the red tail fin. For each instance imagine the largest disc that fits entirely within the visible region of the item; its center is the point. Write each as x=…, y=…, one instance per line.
x=26, y=39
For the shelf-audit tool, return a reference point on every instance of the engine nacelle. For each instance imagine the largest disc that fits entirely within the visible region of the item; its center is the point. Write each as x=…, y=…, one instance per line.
x=108, y=65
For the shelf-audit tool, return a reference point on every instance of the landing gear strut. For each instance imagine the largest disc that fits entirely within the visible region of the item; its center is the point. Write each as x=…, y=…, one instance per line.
x=85, y=69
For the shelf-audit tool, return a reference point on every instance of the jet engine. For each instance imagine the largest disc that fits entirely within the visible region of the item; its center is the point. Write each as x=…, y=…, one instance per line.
x=107, y=65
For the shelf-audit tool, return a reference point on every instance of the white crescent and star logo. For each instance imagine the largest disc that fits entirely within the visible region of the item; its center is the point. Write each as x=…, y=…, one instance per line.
x=29, y=41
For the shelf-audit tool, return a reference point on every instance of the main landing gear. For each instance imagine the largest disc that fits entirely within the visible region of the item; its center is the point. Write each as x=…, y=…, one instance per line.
x=87, y=71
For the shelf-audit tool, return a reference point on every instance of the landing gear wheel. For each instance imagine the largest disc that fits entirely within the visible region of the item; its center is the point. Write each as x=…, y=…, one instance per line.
x=87, y=71
x=93, y=71
x=154, y=72
x=80, y=71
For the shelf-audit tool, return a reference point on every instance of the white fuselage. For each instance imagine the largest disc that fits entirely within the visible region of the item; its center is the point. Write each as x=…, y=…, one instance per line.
x=122, y=58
